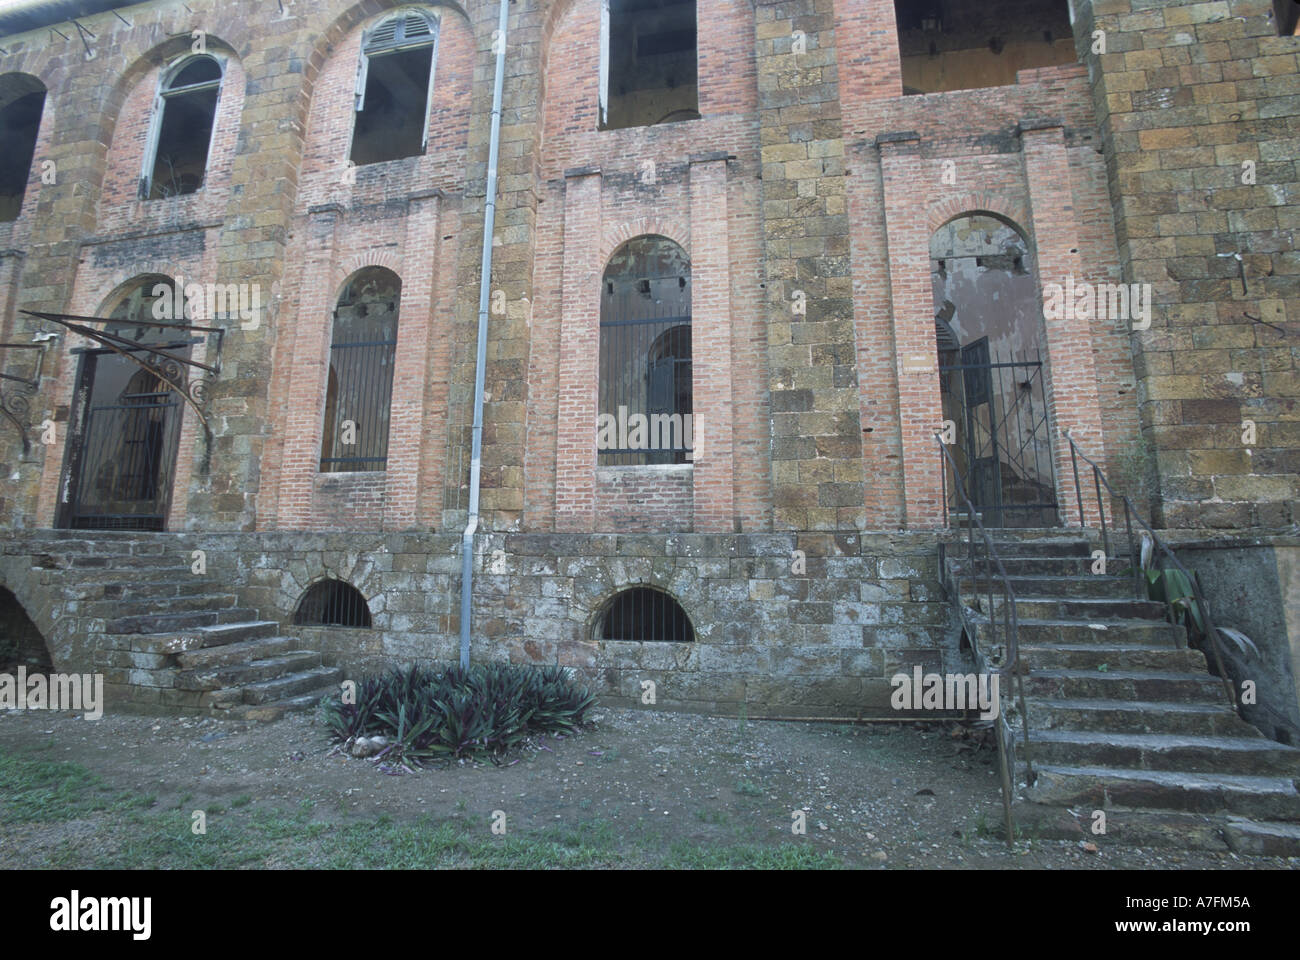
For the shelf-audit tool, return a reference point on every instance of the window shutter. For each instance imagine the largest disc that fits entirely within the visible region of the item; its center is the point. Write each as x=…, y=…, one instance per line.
x=428, y=97
x=363, y=67
x=604, y=62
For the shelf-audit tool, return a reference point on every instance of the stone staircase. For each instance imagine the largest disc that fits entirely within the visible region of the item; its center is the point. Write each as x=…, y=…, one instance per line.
x=166, y=638
x=1123, y=717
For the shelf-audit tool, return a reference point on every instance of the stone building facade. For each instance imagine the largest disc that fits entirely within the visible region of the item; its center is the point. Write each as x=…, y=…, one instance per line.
x=800, y=157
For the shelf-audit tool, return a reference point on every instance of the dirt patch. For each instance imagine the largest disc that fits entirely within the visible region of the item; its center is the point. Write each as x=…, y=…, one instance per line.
x=881, y=796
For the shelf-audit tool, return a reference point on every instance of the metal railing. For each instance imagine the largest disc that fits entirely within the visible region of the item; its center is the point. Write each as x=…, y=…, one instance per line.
x=1011, y=663
x=1099, y=481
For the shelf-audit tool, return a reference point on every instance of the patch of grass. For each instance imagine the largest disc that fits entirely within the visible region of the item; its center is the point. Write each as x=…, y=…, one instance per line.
x=34, y=790
x=241, y=801
x=716, y=817
x=785, y=856
x=747, y=789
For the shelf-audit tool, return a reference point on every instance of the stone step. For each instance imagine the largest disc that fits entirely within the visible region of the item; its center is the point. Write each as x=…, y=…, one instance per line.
x=251, y=641
x=211, y=601
x=152, y=589
x=1137, y=716
x=1156, y=633
x=1030, y=566
x=1037, y=547
x=1112, y=656
x=1164, y=751
x=177, y=622
x=1134, y=828
x=1149, y=685
x=1262, y=838
x=292, y=685
x=265, y=712
x=1093, y=585
x=252, y=671
x=125, y=577
x=1082, y=608
x=1097, y=788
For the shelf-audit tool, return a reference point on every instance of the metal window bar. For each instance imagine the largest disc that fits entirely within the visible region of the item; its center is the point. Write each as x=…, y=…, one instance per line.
x=333, y=603
x=645, y=615
x=361, y=379
x=645, y=370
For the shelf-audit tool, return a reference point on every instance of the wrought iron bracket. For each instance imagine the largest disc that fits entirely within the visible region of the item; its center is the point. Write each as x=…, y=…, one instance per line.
x=16, y=392
x=168, y=367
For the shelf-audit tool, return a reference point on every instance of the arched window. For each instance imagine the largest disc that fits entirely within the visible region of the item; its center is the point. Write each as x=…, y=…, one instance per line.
x=645, y=614
x=644, y=412
x=395, y=87
x=182, y=129
x=332, y=603
x=992, y=372
x=359, y=391
x=22, y=100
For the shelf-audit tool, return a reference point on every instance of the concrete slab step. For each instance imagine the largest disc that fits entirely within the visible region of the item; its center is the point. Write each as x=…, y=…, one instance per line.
x=1137, y=716
x=266, y=712
x=1047, y=586
x=1031, y=566
x=195, y=603
x=1255, y=797
x=1034, y=632
x=1112, y=656
x=1132, y=828
x=1164, y=751
x=1039, y=547
x=255, y=641
x=282, y=688
x=243, y=673
x=1150, y=685
x=176, y=622
x=1262, y=839
x=1029, y=607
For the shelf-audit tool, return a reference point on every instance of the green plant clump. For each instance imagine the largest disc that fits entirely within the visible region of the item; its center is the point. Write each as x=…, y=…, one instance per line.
x=486, y=710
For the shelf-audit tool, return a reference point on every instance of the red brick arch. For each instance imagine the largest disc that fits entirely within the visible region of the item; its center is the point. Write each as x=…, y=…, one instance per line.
x=993, y=202
x=357, y=262
x=678, y=231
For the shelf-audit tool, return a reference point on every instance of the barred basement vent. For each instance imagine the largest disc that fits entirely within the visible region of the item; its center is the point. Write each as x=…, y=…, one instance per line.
x=643, y=614
x=332, y=603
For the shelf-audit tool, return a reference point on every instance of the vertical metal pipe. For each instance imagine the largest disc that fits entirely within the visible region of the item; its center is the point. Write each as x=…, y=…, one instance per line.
x=480, y=361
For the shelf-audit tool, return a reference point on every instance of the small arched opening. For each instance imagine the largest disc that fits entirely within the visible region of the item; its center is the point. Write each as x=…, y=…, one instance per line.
x=645, y=614
x=21, y=641
x=332, y=603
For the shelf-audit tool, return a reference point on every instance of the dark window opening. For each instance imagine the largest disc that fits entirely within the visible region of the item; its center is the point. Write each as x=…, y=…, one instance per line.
x=646, y=615
x=394, y=84
x=188, y=107
x=332, y=603
x=359, y=391
x=1287, y=15
x=644, y=398
x=22, y=99
x=649, y=72
x=951, y=45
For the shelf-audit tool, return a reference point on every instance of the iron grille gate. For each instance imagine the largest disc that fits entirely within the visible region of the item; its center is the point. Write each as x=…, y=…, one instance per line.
x=123, y=446
x=645, y=372
x=1003, y=438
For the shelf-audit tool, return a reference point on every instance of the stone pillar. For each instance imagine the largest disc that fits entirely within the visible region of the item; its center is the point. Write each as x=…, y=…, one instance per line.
x=1071, y=376
x=711, y=346
x=920, y=408
x=307, y=372
x=575, y=442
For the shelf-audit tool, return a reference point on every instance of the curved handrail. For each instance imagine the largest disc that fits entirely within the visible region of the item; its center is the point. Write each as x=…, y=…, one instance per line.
x=1130, y=514
x=1011, y=661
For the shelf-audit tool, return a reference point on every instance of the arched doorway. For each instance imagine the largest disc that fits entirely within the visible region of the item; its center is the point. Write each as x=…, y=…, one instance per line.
x=992, y=371
x=21, y=642
x=125, y=430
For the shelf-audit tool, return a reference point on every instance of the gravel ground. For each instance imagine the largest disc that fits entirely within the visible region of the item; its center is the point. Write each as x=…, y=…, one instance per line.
x=881, y=796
